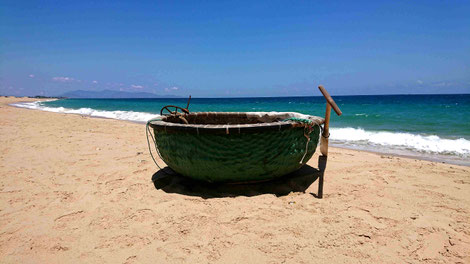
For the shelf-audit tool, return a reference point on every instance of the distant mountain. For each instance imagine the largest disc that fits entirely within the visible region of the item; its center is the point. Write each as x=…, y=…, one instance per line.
x=113, y=94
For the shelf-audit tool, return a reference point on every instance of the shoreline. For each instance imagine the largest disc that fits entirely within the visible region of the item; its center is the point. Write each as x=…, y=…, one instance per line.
x=438, y=158
x=407, y=156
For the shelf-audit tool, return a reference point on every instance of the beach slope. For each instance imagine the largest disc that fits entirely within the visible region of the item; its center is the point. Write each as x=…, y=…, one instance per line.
x=79, y=189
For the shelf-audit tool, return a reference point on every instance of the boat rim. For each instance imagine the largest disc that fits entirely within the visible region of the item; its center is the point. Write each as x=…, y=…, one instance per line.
x=263, y=123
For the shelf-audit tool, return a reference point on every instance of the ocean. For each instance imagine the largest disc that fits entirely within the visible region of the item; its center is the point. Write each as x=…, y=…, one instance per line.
x=433, y=127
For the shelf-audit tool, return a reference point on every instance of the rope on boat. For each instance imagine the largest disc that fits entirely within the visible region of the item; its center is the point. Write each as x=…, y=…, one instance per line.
x=147, y=132
x=308, y=126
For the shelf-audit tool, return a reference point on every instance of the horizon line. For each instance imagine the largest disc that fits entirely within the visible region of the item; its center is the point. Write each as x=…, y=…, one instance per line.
x=237, y=97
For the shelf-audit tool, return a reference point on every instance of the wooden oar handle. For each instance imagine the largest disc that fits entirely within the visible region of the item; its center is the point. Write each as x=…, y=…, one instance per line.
x=329, y=100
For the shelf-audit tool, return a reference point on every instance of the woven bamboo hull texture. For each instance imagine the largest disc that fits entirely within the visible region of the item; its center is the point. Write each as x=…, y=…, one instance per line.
x=236, y=157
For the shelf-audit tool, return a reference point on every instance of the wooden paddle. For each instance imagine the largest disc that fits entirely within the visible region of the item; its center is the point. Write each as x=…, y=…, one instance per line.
x=326, y=128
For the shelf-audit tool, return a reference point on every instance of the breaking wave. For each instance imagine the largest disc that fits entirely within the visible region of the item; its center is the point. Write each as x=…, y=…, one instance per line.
x=121, y=115
x=343, y=136
x=399, y=140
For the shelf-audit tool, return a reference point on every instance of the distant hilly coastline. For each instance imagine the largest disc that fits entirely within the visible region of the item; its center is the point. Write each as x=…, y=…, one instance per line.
x=113, y=94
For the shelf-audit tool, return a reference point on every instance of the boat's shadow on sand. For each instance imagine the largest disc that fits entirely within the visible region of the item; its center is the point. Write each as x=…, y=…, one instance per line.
x=298, y=181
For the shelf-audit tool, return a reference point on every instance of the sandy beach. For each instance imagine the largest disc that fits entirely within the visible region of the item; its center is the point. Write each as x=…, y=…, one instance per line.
x=75, y=189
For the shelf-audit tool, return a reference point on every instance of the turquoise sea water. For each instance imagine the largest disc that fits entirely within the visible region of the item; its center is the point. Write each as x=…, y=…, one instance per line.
x=430, y=126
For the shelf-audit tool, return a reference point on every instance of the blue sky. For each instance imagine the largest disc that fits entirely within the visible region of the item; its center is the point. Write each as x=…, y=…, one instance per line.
x=221, y=48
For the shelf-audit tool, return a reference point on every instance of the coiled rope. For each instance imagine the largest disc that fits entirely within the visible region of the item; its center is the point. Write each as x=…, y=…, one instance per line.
x=308, y=128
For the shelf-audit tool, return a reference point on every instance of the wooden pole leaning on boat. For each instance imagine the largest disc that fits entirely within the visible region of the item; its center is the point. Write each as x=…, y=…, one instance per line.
x=330, y=103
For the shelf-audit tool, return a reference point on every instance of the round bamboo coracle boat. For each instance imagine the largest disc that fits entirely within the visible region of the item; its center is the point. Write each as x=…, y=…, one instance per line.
x=234, y=146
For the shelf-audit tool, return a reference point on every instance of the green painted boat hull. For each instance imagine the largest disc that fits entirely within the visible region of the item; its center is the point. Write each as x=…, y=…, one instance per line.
x=236, y=157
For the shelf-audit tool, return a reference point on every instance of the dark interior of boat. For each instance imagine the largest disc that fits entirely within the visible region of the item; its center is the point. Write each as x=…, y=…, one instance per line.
x=223, y=118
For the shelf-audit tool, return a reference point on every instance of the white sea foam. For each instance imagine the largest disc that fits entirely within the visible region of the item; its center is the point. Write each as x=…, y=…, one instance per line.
x=397, y=140
x=344, y=136
x=121, y=115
